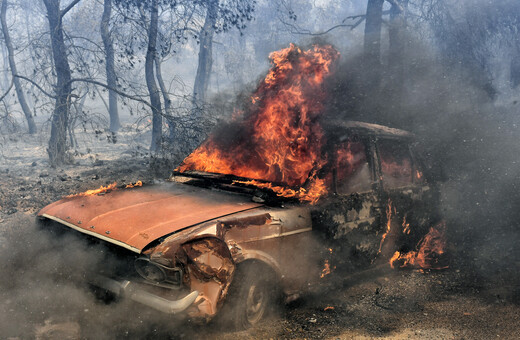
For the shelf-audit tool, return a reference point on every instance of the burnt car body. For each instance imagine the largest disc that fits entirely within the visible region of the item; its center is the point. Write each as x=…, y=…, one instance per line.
x=201, y=243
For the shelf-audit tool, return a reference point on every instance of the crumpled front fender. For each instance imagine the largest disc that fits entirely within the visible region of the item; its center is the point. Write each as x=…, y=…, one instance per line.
x=208, y=269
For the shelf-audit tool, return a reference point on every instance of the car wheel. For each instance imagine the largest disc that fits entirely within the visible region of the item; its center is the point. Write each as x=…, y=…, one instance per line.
x=256, y=297
x=251, y=297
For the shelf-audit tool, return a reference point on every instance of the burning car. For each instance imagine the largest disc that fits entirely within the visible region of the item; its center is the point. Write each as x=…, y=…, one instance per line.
x=202, y=240
x=276, y=208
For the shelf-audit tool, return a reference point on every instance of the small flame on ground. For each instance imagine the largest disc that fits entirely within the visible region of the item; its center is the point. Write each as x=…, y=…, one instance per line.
x=326, y=269
x=133, y=185
x=328, y=308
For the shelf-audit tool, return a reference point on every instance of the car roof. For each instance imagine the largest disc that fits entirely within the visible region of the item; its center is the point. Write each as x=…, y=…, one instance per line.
x=363, y=128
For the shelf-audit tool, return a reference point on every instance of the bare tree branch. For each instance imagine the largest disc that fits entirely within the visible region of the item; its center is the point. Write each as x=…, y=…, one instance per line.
x=121, y=93
x=35, y=84
x=298, y=30
x=69, y=7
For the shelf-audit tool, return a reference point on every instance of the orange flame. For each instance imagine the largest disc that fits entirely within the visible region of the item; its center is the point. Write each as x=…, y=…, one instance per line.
x=279, y=138
x=429, y=250
x=312, y=196
x=99, y=190
x=388, y=224
x=406, y=226
x=133, y=185
x=103, y=189
x=328, y=308
x=326, y=269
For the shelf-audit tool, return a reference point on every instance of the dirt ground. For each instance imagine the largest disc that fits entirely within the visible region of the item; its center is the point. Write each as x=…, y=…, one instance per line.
x=451, y=304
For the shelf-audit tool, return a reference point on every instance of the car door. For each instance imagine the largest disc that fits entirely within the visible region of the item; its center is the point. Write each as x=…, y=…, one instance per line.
x=349, y=220
x=402, y=190
x=300, y=260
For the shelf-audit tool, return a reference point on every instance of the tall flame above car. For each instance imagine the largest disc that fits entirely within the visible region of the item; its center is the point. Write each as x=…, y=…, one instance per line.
x=279, y=138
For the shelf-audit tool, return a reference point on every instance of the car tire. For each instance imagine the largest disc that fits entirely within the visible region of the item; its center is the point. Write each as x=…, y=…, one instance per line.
x=251, y=297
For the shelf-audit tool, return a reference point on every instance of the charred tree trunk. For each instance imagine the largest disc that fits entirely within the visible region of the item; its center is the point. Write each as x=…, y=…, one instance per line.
x=12, y=66
x=30, y=98
x=515, y=72
x=205, y=54
x=5, y=60
x=167, y=102
x=397, y=47
x=109, y=65
x=58, y=141
x=515, y=65
x=155, y=99
x=243, y=47
x=372, y=42
x=396, y=33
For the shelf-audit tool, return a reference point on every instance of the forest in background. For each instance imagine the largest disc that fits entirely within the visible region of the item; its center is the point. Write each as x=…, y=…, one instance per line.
x=173, y=68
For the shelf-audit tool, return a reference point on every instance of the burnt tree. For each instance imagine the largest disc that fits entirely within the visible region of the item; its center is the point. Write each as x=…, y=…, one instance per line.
x=372, y=40
x=109, y=66
x=397, y=47
x=219, y=17
x=205, y=53
x=396, y=32
x=148, y=13
x=470, y=37
x=12, y=65
x=155, y=98
x=57, y=148
x=166, y=98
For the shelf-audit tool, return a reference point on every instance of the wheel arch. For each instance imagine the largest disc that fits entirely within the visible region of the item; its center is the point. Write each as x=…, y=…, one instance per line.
x=261, y=259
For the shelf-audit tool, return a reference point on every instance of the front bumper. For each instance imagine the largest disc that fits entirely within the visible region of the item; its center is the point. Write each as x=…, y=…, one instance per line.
x=127, y=289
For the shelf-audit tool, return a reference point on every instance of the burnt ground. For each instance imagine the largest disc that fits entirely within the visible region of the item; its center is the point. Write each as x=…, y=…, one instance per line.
x=39, y=301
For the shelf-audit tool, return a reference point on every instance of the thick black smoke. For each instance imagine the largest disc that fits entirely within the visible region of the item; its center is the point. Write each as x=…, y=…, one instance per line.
x=469, y=141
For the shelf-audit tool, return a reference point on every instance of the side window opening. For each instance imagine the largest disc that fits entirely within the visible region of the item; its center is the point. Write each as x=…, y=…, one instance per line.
x=396, y=164
x=421, y=166
x=352, y=169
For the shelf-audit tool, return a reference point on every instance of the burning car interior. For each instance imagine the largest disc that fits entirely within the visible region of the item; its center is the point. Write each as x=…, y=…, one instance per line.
x=355, y=178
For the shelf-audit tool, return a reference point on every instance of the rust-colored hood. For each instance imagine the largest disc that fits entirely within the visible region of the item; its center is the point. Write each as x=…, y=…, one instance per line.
x=132, y=218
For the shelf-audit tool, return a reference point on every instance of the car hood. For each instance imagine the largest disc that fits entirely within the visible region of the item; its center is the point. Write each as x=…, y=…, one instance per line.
x=132, y=218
